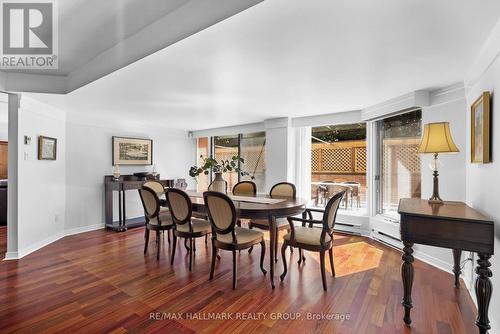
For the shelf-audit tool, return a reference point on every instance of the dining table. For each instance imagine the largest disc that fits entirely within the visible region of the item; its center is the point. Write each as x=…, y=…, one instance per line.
x=261, y=206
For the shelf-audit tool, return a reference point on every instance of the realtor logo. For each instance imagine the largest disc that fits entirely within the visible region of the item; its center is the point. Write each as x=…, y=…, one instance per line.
x=29, y=34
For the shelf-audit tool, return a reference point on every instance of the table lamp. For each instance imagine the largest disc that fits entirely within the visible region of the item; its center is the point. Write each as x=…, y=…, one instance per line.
x=436, y=139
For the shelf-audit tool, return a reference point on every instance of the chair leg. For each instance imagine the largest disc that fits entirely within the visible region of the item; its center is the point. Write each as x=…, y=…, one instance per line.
x=214, y=255
x=302, y=257
x=158, y=244
x=283, y=257
x=190, y=252
x=173, y=249
x=168, y=236
x=206, y=239
x=234, y=270
x=262, y=254
x=194, y=245
x=250, y=226
x=330, y=255
x=291, y=248
x=322, y=263
x=185, y=244
x=146, y=237
x=276, y=247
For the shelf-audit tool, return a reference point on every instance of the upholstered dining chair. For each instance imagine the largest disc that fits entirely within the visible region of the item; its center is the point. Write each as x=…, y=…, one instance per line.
x=245, y=188
x=279, y=190
x=159, y=189
x=156, y=218
x=185, y=226
x=225, y=234
x=313, y=238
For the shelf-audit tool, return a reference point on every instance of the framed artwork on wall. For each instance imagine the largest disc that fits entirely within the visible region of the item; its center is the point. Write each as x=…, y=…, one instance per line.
x=47, y=148
x=480, y=129
x=132, y=151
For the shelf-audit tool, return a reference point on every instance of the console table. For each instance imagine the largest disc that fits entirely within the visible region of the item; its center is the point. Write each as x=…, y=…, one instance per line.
x=124, y=183
x=451, y=225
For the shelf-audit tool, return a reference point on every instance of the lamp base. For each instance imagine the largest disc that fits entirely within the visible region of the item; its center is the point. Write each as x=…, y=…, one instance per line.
x=435, y=198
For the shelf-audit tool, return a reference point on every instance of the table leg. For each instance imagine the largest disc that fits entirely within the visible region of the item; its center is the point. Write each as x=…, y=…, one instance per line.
x=407, y=276
x=124, y=213
x=120, y=213
x=272, y=241
x=483, y=292
x=457, y=255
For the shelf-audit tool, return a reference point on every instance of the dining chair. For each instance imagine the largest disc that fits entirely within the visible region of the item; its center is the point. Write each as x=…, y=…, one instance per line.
x=312, y=238
x=159, y=189
x=334, y=189
x=354, y=191
x=225, y=234
x=279, y=190
x=157, y=219
x=185, y=226
x=245, y=188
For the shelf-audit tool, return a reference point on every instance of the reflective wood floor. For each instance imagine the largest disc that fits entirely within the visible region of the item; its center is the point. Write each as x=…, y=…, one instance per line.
x=100, y=282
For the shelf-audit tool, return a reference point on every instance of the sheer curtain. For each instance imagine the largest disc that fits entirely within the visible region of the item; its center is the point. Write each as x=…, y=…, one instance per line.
x=302, y=154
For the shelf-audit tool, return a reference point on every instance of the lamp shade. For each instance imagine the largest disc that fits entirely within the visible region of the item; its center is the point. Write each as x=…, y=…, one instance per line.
x=437, y=139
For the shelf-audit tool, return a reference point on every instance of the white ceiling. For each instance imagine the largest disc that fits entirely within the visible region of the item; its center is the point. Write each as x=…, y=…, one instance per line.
x=296, y=58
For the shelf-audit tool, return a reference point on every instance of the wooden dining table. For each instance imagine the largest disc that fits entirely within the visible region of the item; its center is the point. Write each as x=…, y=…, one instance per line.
x=261, y=206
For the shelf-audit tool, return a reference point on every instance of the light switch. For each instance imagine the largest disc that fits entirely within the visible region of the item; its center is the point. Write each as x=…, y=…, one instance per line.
x=27, y=140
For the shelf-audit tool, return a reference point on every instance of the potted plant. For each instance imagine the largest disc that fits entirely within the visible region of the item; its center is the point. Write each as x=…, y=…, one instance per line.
x=219, y=167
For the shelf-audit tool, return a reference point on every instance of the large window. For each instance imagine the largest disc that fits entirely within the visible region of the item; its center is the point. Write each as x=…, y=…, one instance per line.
x=338, y=162
x=398, y=170
x=250, y=146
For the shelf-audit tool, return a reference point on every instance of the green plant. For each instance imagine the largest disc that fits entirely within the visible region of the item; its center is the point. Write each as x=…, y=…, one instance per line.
x=222, y=166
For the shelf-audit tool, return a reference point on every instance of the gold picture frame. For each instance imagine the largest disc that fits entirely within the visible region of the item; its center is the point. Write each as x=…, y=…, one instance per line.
x=132, y=151
x=480, y=129
x=47, y=148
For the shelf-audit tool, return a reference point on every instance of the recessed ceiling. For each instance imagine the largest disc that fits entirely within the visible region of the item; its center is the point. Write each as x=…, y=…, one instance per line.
x=296, y=58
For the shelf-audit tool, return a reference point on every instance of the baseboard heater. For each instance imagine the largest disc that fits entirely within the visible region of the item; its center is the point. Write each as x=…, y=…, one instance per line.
x=387, y=239
x=347, y=228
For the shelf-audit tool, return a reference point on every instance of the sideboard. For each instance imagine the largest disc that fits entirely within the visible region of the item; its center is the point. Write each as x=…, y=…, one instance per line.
x=124, y=183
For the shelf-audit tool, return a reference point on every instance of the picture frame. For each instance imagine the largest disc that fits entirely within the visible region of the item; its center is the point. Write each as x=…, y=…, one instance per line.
x=47, y=148
x=128, y=151
x=480, y=129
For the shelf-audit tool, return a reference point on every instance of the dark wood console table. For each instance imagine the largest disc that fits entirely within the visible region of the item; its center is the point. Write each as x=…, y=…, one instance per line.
x=124, y=183
x=451, y=225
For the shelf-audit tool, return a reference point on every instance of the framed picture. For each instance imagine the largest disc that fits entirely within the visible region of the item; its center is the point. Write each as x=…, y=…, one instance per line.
x=132, y=151
x=480, y=129
x=47, y=148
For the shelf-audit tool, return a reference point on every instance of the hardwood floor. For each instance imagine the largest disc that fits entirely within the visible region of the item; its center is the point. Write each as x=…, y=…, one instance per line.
x=100, y=282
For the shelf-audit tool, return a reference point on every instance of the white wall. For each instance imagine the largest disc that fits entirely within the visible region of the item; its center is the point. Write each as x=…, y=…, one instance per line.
x=279, y=151
x=41, y=186
x=89, y=158
x=483, y=180
x=447, y=105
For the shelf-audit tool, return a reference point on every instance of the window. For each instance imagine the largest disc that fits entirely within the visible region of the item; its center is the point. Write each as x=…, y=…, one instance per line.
x=250, y=146
x=398, y=170
x=202, y=149
x=338, y=162
x=225, y=147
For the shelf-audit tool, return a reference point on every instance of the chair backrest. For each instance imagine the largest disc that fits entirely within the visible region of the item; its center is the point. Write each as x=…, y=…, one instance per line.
x=179, y=204
x=283, y=189
x=150, y=202
x=221, y=212
x=245, y=188
x=156, y=186
x=330, y=213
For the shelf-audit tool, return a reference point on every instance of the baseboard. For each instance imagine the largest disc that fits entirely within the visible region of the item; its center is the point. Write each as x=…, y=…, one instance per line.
x=38, y=245
x=34, y=247
x=83, y=229
x=433, y=261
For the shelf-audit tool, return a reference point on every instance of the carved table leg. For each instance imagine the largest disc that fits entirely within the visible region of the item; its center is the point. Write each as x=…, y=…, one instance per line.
x=407, y=276
x=483, y=292
x=457, y=255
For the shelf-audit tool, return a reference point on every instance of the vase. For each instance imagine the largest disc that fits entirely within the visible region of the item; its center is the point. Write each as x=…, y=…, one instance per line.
x=219, y=184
